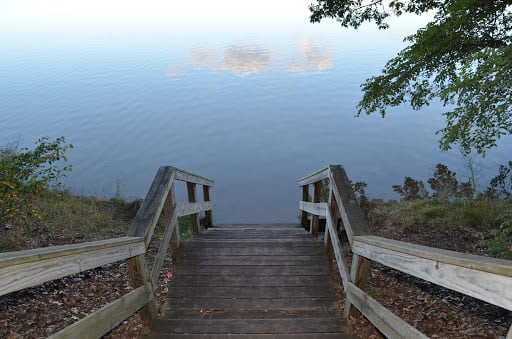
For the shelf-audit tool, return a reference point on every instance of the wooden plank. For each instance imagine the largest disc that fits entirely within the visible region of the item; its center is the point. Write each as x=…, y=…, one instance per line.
x=199, y=244
x=102, y=321
x=314, y=177
x=318, y=335
x=194, y=218
x=43, y=253
x=249, y=326
x=304, y=214
x=350, y=212
x=182, y=175
x=249, y=292
x=254, y=261
x=359, y=274
x=477, y=262
x=253, y=270
x=313, y=208
x=193, y=208
x=317, y=191
x=21, y=270
x=208, y=219
x=149, y=212
x=387, y=322
x=492, y=288
x=247, y=304
x=139, y=275
x=259, y=251
x=336, y=246
x=251, y=281
x=162, y=249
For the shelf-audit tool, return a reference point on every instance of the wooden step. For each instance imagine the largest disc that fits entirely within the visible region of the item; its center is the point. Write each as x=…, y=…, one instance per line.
x=251, y=281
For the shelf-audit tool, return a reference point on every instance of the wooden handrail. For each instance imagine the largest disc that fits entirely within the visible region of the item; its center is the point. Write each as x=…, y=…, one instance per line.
x=23, y=269
x=484, y=278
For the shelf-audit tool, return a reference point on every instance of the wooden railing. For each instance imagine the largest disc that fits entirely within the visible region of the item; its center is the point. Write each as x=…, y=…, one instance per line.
x=23, y=269
x=487, y=279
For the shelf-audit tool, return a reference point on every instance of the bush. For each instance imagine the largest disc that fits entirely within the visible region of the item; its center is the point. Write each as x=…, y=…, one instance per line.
x=27, y=174
x=411, y=189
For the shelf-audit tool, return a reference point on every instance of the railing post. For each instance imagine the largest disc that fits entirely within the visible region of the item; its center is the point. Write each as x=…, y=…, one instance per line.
x=194, y=218
x=169, y=205
x=207, y=214
x=359, y=274
x=317, y=191
x=139, y=274
x=304, y=216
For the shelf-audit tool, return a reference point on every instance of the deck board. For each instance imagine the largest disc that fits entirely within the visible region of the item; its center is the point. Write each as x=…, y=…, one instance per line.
x=251, y=281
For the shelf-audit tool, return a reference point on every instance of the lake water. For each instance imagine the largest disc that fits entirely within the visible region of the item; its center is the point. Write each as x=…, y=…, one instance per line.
x=249, y=94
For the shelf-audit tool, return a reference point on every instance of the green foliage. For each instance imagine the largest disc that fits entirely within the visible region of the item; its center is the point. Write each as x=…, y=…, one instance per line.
x=467, y=64
x=501, y=185
x=27, y=174
x=498, y=241
x=411, y=189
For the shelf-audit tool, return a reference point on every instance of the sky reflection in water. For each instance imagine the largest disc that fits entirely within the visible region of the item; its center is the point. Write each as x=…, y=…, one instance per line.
x=249, y=94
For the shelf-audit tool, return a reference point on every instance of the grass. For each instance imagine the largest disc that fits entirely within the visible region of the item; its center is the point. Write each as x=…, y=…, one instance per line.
x=490, y=220
x=68, y=218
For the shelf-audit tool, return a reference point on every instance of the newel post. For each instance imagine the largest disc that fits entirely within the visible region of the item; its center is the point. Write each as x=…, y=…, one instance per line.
x=194, y=218
x=207, y=214
x=304, y=216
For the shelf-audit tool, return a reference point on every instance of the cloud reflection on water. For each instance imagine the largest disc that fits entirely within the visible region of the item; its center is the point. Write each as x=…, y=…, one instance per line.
x=244, y=58
x=314, y=58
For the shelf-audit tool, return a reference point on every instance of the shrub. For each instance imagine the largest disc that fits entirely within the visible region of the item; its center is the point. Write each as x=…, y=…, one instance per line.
x=27, y=174
x=411, y=190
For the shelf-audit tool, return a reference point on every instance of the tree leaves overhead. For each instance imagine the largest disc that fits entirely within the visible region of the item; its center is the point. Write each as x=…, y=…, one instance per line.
x=463, y=57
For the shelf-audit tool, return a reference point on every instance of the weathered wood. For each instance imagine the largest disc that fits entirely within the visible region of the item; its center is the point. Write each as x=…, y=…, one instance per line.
x=304, y=216
x=359, y=274
x=194, y=218
x=193, y=208
x=139, y=275
x=149, y=212
x=387, y=322
x=249, y=326
x=336, y=246
x=208, y=220
x=252, y=270
x=476, y=262
x=248, y=292
x=509, y=333
x=313, y=208
x=317, y=191
x=182, y=175
x=350, y=212
x=492, y=288
x=211, y=281
x=314, y=177
x=335, y=335
x=237, y=260
x=258, y=251
x=252, y=304
x=162, y=249
x=23, y=269
x=102, y=321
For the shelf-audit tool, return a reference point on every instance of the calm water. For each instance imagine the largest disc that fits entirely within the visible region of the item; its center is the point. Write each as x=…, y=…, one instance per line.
x=249, y=94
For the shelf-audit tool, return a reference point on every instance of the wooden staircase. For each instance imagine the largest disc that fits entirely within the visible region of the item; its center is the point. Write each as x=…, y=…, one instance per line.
x=251, y=281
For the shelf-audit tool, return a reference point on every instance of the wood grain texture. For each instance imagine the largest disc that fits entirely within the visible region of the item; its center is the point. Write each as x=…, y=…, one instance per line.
x=492, y=288
x=182, y=175
x=336, y=246
x=149, y=212
x=314, y=177
x=477, y=262
x=193, y=207
x=350, y=212
x=387, y=322
x=25, y=269
x=260, y=285
x=102, y=321
x=313, y=208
